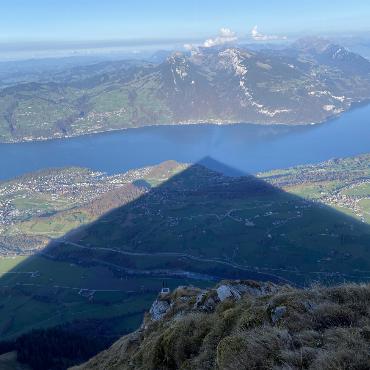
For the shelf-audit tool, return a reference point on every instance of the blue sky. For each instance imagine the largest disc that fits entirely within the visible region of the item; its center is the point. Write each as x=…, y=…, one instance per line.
x=66, y=20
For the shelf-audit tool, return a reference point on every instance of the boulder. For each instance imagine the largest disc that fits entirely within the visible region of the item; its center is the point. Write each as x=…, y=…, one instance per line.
x=227, y=291
x=159, y=309
x=205, y=302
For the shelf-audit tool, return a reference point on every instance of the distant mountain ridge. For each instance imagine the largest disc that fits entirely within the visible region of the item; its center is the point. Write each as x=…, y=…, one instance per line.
x=333, y=55
x=308, y=82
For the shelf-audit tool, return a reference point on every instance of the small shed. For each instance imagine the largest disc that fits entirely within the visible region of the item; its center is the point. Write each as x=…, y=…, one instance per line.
x=165, y=290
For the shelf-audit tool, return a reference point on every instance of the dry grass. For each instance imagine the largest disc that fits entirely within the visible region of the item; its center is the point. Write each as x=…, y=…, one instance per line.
x=320, y=329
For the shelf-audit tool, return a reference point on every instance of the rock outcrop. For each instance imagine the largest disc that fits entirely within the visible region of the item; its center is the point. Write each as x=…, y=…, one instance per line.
x=248, y=325
x=159, y=309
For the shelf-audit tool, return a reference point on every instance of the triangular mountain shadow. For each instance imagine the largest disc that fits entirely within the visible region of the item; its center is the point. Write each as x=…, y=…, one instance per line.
x=214, y=165
x=198, y=226
x=235, y=226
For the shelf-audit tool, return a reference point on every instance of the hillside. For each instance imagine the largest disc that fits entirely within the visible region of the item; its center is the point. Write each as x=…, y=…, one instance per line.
x=202, y=221
x=248, y=325
x=41, y=206
x=185, y=224
x=8, y=361
x=44, y=205
x=309, y=82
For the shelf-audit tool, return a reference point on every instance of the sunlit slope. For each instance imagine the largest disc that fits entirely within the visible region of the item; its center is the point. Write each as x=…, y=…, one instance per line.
x=299, y=85
x=49, y=203
x=343, y=184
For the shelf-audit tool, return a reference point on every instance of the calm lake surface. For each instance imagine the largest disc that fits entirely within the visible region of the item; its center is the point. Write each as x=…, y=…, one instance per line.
x=246, y=147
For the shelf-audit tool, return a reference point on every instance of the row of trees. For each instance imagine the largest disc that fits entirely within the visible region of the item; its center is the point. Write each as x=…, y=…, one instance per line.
x=63, y=346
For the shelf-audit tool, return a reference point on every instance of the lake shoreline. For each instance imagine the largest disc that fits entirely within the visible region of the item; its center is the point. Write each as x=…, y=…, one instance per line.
x=250, y=148
x=353, y=106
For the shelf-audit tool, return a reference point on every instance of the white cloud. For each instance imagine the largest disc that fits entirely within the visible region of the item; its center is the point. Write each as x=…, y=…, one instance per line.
x=189, y=47
x=258, y=36
x=225, y=36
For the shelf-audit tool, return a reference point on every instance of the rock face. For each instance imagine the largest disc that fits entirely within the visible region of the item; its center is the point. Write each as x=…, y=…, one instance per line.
x=236, y=289
x=206, y=300
x=159, y=309
x=227, y=291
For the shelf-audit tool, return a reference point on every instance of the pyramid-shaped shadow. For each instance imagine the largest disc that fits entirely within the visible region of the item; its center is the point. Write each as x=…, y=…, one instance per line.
x=198, y=225
x=220, y=225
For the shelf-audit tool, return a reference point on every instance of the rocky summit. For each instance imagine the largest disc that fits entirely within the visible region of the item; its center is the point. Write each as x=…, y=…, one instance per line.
x=248, y=325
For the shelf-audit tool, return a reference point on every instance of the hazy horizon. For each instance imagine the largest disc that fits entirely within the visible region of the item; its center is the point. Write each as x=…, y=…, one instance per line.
x=46, y=28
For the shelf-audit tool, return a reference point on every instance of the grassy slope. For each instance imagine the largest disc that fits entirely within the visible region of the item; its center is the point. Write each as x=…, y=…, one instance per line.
x=24, y=306
x=8, y=361
x=342, y=186
x=244, y=221
x=320, y=328
x=46, y=293
x=50, y=203
x=41, y=292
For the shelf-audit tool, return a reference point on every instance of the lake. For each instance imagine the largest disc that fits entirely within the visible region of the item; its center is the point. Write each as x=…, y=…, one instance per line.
x=246, y=147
